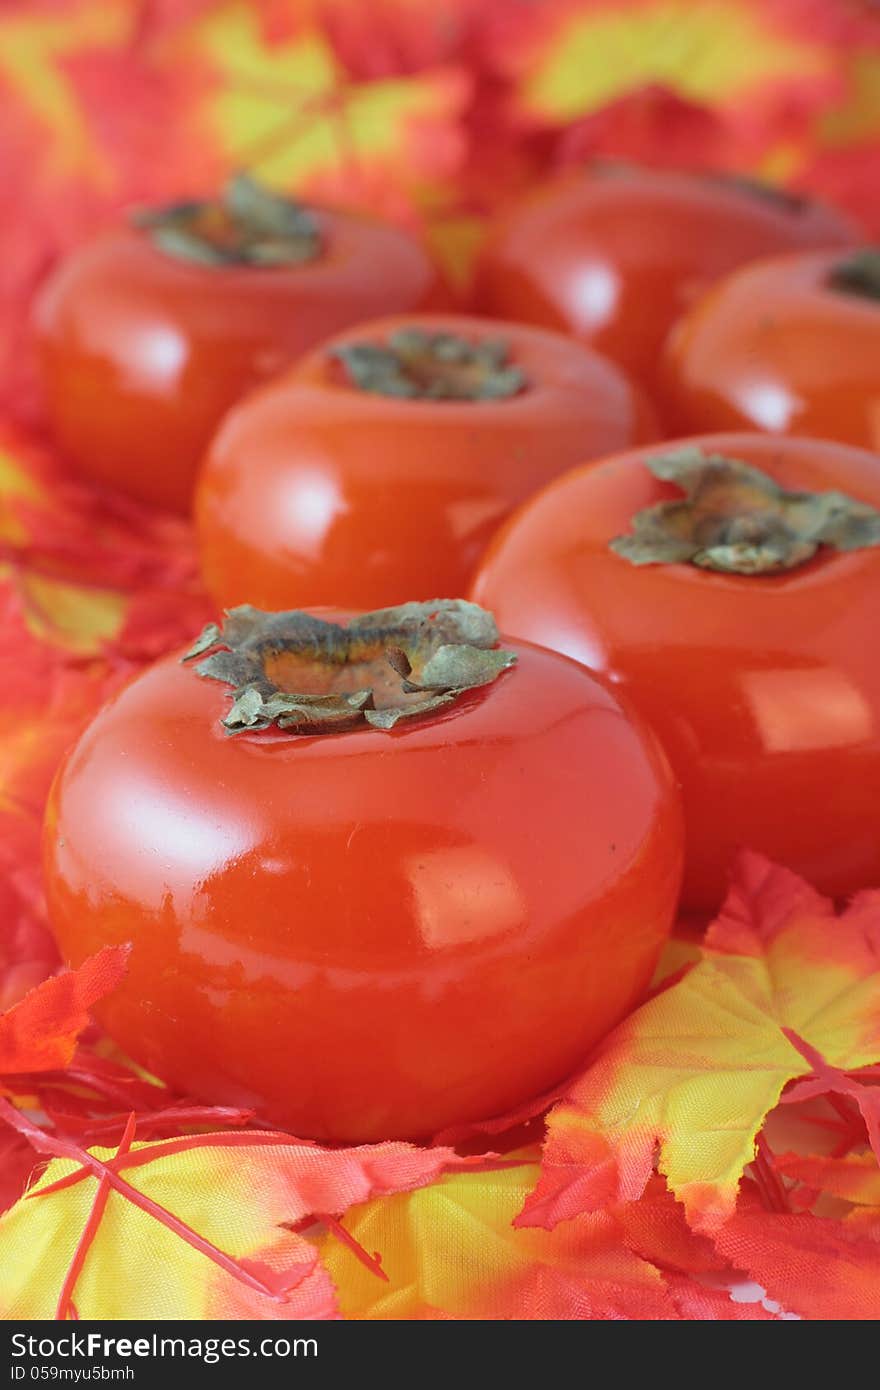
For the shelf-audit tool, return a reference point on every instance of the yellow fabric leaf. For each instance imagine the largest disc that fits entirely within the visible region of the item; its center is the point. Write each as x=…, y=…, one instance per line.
x=449, y=1251
x=79, y=618
x=696, y=1070
x=709, y=52
x=32, y=47
x=288, y=111
x=137, y=1267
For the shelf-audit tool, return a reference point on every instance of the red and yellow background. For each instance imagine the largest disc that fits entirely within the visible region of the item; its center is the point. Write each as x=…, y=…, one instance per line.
x=750, y=1080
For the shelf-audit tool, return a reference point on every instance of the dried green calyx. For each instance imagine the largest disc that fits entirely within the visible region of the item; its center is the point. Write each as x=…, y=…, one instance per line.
x=419, y=365
x=246, y=225
x=737, y=520
x=858, y=273
x=301, y=674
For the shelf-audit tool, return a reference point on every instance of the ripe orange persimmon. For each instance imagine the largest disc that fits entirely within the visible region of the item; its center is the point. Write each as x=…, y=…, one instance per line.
x=147, y=335
x=728, y=586
x=421, y=916
x=790, y=345
x=614, y=253
x=382, y=463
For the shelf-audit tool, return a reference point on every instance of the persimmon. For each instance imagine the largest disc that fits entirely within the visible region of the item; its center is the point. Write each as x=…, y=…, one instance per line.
x=378, y=877
x=148, y=334
x=790, y=345
x=381, y=464
x=727, y=586
x=615, y=253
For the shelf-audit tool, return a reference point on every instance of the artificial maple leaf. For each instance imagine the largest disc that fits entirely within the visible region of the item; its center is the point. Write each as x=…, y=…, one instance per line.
x=390, y=37
x=703, y=1302
x=846, y=176
x=17, y=1163
x=288, y=110
x=90, y=589
x=850, y=24
x=449, y=1251
x=696, y=1070
x=57, y=528
x=46, y=697
x=166, y=1247
x=851, y=1177
x=213, y=1211
x=653, y=125
x=655, y=1227
x=39, y=1033
x=812, y=1266
x=566, y=57
x=28, y=953
x=833, y=1082
x=702, y=1284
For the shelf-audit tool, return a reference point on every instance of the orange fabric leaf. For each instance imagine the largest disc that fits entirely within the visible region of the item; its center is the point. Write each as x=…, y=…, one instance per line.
x=40, y=1032
x=851, y=1177
x=695, y=1071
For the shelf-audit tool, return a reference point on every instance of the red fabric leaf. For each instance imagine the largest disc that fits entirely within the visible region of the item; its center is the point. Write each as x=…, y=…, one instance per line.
x=39, y=1033
x=815, y=1267
x=827, y=1080
x=17, y=1162
x=655, y=1227
x=652, y=125
x=711, y=1303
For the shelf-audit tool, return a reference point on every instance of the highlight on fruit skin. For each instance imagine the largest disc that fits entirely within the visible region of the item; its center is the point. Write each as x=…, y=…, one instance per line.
x=383, y=461
x=147, y=334
x=614, y=253
x=726, y=585
x=786, y=346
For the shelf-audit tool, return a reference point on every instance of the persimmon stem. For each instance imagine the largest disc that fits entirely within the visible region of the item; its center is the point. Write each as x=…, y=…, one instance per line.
x=416, y=364
x=247, y=225
x=736, y=519
x=858, y=274
x=303, y=675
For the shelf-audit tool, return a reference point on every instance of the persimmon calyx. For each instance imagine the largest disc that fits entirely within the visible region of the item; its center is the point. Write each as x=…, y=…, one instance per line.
x=858, y=273
x=416, y=364
x=246, y=225
x=736, y=519
x=301, y=674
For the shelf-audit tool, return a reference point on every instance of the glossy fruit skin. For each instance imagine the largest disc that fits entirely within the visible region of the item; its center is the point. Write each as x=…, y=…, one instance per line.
x=141, y=353
x=616, y=258
x=368, y=935
x=765, y=691
x=315, y=492
x=775, y=348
